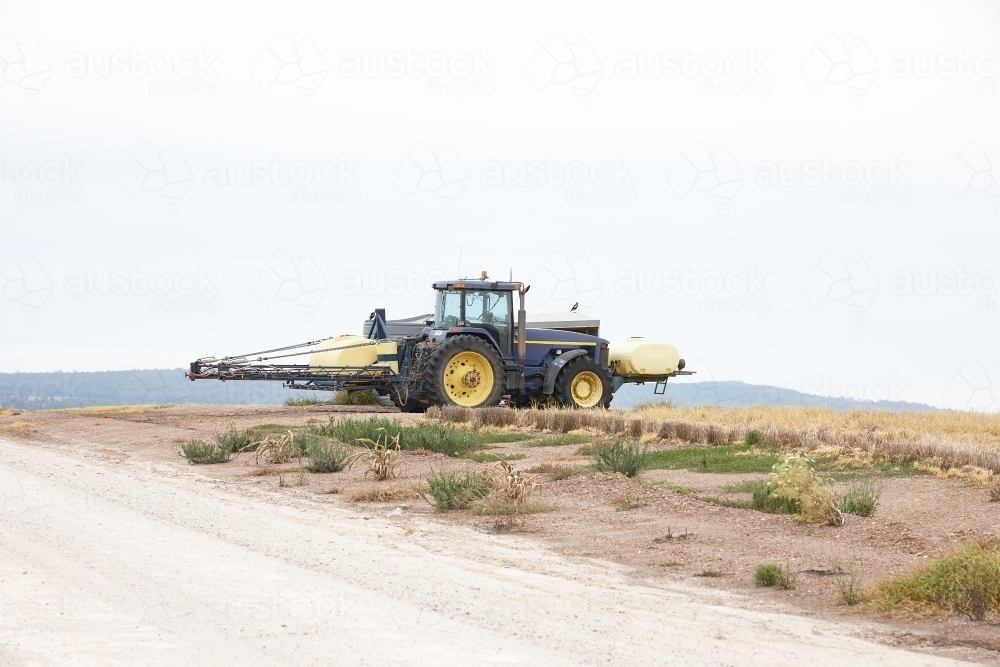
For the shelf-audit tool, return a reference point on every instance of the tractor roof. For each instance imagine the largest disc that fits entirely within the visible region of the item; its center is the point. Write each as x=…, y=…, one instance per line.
x=475, y=284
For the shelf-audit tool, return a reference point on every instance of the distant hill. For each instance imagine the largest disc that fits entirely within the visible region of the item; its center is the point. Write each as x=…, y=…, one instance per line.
x=64, y=390
x=741, y=393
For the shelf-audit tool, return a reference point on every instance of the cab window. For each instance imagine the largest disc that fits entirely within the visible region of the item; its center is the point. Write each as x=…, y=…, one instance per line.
x=492, y=309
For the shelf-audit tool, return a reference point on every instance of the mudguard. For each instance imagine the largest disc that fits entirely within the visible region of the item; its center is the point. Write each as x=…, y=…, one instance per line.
x=548, y=386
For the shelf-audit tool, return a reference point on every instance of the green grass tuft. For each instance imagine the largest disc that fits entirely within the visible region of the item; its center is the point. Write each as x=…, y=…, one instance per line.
x=451, y=491
x=325, y=456
x=201, y=452
x=862, y=497
x=773, y=575
x=623, y=456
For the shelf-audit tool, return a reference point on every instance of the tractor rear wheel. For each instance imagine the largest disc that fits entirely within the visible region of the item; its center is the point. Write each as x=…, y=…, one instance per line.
x=466, y=371
x=583, y=383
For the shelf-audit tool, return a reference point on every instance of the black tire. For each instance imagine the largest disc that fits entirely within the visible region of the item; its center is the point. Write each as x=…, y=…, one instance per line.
x=440, y=380
x=564, y=383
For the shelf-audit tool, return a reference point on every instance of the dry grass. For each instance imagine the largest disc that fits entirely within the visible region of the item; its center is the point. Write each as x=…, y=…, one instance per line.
x=955, y=439
x=118, y=409
x=383, y=494
x=964, y=580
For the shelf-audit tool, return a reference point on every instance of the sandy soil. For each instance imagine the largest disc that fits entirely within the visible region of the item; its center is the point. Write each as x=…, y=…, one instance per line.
x=113, y=547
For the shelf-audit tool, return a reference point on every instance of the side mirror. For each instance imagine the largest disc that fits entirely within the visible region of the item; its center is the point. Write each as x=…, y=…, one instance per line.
x=429, y=321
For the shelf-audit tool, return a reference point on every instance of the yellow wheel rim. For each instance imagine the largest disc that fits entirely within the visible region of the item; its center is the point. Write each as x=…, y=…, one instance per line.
x=468, y=379
x=587, y=389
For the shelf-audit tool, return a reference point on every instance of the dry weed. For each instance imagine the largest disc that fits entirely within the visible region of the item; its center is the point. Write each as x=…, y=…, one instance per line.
x=383, y=494
x=509, y=483
x=273, y=449
x=382, y=461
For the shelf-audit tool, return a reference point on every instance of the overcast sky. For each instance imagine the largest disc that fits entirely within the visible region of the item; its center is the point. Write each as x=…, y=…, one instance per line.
x=792, y=193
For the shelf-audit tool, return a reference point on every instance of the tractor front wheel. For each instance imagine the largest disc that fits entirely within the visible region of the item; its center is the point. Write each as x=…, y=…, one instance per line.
x=466, y=371
x=583, y=383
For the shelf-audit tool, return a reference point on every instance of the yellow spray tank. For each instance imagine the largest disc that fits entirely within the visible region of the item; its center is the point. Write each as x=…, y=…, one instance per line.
x=642, y=356
x=352, y=352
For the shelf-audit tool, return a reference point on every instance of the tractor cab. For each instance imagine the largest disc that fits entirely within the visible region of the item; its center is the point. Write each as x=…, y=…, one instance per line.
x=477, y=304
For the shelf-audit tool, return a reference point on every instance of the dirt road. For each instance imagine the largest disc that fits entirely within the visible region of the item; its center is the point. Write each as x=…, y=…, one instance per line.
x=110, y=562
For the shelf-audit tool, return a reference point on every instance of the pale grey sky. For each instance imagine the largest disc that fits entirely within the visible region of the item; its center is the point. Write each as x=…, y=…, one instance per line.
x=792, y=193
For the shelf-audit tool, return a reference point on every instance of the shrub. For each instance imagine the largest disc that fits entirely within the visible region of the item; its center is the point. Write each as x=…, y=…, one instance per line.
x=773, y=575
x=765, y=500
x=861, y=498
x=328, y=457
x=200, y=452
x=849, y=589
x=794, y=480
x=450, y=491
x=234, y=440
x=360, y=397
x=964, y=580
x=626, y=457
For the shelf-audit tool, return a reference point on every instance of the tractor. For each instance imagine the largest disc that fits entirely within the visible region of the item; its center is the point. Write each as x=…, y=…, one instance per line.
x=471, y=352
